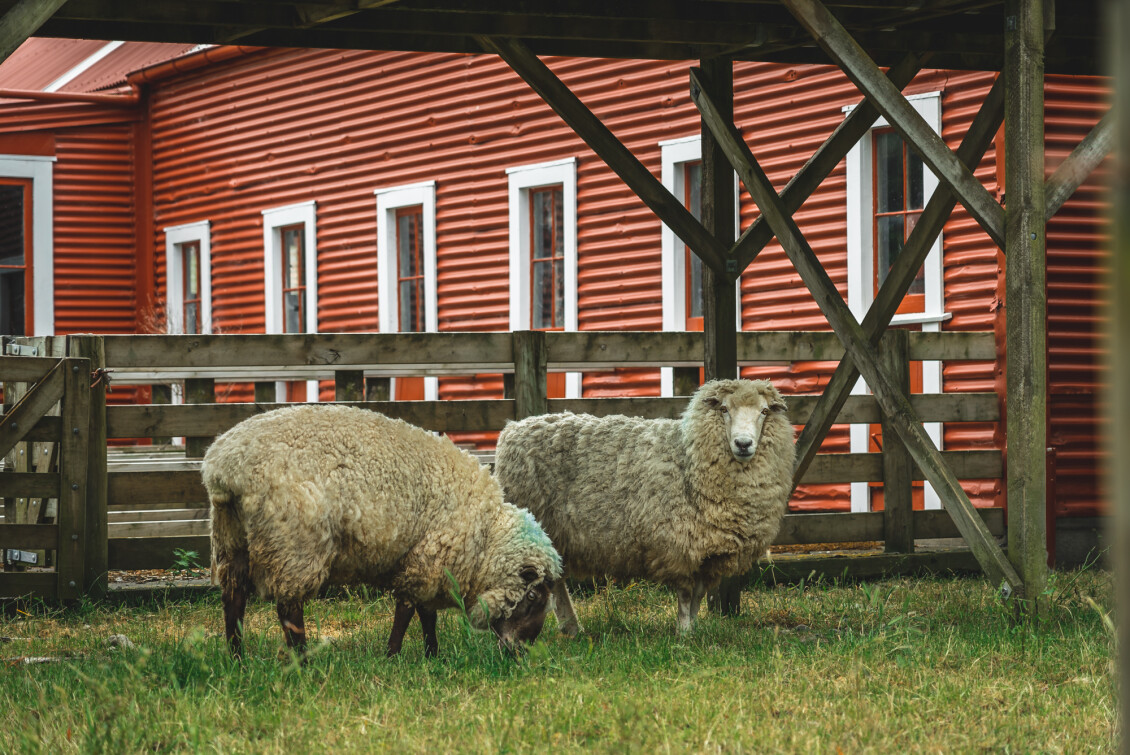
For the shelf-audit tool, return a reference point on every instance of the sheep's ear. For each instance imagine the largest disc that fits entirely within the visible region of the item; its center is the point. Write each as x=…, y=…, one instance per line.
x=528, y=574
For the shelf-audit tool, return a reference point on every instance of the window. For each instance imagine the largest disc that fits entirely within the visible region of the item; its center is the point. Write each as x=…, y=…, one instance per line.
x=27, y=281
x=406, y=272
x=887, y=188
x=188, y=268
x=290, y=257
x=682, y=269
x=543, y=255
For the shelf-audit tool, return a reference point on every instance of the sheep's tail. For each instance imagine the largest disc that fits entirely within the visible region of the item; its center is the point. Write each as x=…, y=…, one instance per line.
x=230, y=563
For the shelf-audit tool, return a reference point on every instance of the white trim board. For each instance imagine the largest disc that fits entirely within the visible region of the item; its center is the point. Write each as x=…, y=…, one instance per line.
x=274, y=219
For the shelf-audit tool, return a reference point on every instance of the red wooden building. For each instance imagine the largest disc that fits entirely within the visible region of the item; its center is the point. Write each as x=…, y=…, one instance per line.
x=236, y=189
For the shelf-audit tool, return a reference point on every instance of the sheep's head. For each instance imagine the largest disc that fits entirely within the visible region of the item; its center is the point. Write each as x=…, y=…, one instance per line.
x=516, y=622
x=743, y=407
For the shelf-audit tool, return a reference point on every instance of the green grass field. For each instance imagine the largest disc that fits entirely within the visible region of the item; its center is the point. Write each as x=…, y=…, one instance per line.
x=906, y=665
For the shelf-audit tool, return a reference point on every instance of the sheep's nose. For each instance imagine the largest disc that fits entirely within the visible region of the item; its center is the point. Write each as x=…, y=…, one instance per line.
x=743, y=445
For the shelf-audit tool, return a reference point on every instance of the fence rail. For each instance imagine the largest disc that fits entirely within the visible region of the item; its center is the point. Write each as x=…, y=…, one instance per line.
x=153, y=503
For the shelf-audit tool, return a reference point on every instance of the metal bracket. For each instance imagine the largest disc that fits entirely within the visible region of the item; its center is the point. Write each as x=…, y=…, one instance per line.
x=13, y=349
x=13, y=556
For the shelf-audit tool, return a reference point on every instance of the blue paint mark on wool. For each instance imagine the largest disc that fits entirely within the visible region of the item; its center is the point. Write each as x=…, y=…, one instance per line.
x=532, y=533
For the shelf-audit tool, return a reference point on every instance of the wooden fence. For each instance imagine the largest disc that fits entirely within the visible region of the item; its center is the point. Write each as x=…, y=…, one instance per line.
x=151, y=502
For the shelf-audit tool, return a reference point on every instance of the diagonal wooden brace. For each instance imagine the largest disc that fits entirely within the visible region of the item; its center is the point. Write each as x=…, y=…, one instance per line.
x=638, y=178
x=895, y=406
x=35, y=403
x=838, y=43
x=1082, y=161
x=902, y=273
x=22, y=20
x=822, y=162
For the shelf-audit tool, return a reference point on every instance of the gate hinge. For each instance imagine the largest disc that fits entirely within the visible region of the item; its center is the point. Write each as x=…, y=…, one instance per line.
x=21, y=350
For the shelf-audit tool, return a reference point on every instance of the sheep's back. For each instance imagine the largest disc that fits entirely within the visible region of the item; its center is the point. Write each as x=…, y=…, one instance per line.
x=607, y=490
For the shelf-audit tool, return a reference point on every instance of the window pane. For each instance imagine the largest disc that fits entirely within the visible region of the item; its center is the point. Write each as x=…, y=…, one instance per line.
x=192, y=317
x=542, y=296
x=12, y=303
x=559, y=293
x=292, y=257
x=915, y=182
x=407, y=241
x=889, y=244
x=888, y=169
x=292, y=312
x=558, y=224
x=411, y=299
x=545, y=230
x=11, y=225
x=694, y=294
x=191, y=254
x=692, y=180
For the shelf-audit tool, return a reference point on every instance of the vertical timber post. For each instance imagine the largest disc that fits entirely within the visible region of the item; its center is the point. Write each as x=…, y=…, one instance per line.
x=898, y=466
x=719, y=308
x=1025, y=294
x=198, y=391
x=96, y=551
x=530, y=360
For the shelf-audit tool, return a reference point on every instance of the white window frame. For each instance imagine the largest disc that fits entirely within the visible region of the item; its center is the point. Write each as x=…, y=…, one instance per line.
x=674, y=154
x=273, y=220
x=390, y=200
x=861, y=277
x=521, y=179
x=40, y=170
x=175, y=237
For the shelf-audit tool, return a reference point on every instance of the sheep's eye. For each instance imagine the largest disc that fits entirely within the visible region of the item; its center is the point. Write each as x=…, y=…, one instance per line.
x=765, y=410
x=723, y=409
x=532, y=595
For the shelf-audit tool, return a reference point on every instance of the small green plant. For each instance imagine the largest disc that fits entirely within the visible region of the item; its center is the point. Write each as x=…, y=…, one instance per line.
x=185, y=561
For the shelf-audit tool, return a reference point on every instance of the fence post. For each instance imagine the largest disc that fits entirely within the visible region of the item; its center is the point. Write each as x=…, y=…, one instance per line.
x=96, y=550
x=161, y=393
x=898, y=466
x=530, y=359
x=198, y=391
x=349, y=385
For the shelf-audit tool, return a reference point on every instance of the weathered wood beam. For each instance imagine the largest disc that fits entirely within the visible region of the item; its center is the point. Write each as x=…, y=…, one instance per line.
x=902, y=116
x=1025, y=293
x=822, y=163
x=1082, y=161
x=34, y=404
x=902, y=273
x=895, y=406
x=22, y=20
x=638, y=178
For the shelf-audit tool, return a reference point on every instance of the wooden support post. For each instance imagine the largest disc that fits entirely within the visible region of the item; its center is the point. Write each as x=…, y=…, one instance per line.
x=902, y=116
x=896, y=406
x=530, y=359
x=198, y=391
x=96, y=549
x=21, y=22
x=1025, y=293
x=977, y=139
x=898, y=466
x=72, y=520
x=349, y=385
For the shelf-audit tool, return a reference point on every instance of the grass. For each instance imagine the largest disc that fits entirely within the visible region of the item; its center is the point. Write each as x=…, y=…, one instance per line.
x=904, y=665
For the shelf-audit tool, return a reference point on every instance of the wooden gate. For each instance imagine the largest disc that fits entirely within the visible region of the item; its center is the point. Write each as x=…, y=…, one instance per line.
x=58, y=473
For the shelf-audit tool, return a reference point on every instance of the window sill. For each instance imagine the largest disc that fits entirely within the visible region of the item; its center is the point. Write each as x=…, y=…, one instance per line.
x=914, y=318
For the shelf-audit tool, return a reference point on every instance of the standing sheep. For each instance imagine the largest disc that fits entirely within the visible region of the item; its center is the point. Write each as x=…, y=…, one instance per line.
x=310, y=495
x=683, y=502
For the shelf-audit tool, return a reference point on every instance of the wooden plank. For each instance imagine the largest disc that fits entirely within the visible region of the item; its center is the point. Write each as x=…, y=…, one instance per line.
x=24, y=584
x=25, y=369
x=853, y=128
x=28, y=485
x=594, y=350
x=785, y=569
x=22, y=20
x=891, y=292
x=34, y=404
x=324, y=352
x=587, y=126
x=29, y=537
x=139, y=489
x=162, y=515
x=1025, y=292
x=937, y=523
x=144, y=421
x=122, y=508
x=530, y=358
x=895, y=406
x=930, y=407
x=965, y=465
x=898, y=466
x=651, y=408
x=45, y=430
x=1082, y=161
x=799, y=529
x=92, y=348
x=901, y=115
x=79, y=527
x=198, y=391
x=186, y=528
x=155, y=552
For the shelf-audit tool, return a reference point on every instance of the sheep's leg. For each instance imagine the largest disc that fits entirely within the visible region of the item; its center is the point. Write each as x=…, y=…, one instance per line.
x=685, y=621
x=567, y=622
x=696, y=598
x=293, y=624
x=400, y=621
x=235, y=584
x=428, y=623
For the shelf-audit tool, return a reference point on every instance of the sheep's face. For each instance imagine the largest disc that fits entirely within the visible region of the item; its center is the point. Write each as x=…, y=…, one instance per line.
x=744, y=418
x=524, y=623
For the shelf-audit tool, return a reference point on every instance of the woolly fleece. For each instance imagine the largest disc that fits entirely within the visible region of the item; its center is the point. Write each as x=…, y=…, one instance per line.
x=658, y=499
x=335, y=494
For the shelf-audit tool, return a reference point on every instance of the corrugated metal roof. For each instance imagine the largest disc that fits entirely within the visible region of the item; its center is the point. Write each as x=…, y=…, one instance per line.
x=39, y=62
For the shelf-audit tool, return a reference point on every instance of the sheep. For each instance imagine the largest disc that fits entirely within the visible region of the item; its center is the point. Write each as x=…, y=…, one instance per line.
x=681, y=502
x=311, y=495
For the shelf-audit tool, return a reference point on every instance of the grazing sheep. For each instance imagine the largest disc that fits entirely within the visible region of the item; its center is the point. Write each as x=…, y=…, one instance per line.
x=682, y=502
x=310, y=495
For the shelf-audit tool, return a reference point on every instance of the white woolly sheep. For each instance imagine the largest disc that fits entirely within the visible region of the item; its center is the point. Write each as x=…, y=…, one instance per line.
x=311, y=495
x=682, y=502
